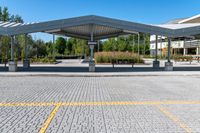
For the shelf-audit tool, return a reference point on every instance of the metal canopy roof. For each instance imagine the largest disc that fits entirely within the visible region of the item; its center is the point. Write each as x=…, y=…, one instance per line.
x=102, y=27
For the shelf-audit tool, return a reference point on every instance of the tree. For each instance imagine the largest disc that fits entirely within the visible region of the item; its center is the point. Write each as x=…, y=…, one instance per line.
x=49, y=47
x=39, y=48
x=122, y=44
x=128, y=43
x=79, y=47
x=5, y=46
x=1, y=14
x=60, y=45
x=69, y=46
x=110, y=45
x=16, y=18
x=5, y=41
x=5, y=15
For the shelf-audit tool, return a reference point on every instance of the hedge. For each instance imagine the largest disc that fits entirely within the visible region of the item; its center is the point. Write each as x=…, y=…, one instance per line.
x=107, y=57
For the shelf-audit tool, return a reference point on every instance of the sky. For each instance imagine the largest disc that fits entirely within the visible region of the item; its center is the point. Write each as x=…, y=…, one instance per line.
x=143, y=11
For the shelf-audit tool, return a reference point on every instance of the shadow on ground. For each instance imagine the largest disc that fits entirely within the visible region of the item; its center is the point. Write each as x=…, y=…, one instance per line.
x=83, y=69
x=98, y=69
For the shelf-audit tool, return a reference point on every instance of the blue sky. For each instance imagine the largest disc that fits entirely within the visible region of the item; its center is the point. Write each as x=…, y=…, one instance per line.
x=144, y=11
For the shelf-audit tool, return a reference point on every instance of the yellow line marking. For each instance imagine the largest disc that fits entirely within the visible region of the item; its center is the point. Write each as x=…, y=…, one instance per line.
x=49, y=119
x=175, y=119
x=99, y=103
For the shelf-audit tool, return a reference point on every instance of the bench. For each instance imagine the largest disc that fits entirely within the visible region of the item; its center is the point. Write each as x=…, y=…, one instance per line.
x=123, y=62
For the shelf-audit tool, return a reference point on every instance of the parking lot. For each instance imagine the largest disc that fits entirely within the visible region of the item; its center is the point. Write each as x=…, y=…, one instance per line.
x=32, y=104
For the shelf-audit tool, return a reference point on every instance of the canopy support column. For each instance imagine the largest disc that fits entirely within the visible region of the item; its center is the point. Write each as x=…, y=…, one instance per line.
x=12, y=63
x=169, y=64
x=91, y=44
x=26, y=63
x=156, y=63
x=197, y=51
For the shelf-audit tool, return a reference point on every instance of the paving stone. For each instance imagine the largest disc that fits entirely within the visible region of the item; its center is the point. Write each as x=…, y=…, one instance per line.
x=99, y=119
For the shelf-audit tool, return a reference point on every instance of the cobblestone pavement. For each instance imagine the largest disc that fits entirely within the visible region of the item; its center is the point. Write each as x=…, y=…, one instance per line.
x=143, y=104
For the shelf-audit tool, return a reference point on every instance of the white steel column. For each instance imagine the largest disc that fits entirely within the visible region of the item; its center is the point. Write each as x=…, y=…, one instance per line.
x=161, y=46
x=197, y=51
x=169, y=50
x=169, y=64
x=91, y=44
x=156, y=47
x=156, y=63
x=12, y=63
x=185, y=51
x=26, y=63
x=12, y=48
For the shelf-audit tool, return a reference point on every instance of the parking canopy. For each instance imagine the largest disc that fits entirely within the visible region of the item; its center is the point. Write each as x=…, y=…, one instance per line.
x=101, y=27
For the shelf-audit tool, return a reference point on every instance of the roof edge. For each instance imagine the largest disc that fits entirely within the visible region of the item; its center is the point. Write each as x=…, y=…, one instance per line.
x=188, y=19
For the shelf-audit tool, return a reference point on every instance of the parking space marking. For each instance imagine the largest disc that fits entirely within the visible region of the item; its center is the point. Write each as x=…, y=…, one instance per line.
x=49, y=119
x=175, y=119
x=99, y=103
x=57, y=105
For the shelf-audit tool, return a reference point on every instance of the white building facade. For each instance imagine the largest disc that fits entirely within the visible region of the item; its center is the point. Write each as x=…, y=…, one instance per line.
x=179, y=46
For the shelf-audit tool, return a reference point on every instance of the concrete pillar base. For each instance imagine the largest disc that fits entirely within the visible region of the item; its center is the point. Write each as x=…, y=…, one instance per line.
x=92, y=66
x=156, y=64
x=168, y=66
x=26, y=64
x=12, y=66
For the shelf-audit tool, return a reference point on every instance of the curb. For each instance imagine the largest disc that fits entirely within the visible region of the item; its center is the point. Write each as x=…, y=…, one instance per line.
x=99, y=74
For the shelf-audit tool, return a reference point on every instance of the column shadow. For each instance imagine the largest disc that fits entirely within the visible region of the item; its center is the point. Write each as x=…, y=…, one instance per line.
x=98, y=69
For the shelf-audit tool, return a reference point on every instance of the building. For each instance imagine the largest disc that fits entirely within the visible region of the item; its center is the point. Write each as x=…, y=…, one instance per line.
x=180, y=46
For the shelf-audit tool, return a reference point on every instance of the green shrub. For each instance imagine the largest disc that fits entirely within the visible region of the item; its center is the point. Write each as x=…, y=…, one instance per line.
x=43, y=60
x=107, y=57
x=180, y=58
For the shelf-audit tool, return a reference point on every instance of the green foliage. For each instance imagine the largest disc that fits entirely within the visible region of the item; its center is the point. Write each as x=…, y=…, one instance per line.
x=107, y=57
x=1, y=14
x=110, y=45
x=43, y=60
x=69, y=46
x=5, y=14
x=38, y=49
x=122, y=44
x=16, y=18
x=128, y=43
x=77, y=47
x=180, y=58
x=49, y=48
x=5, y=41
x=4, y=46
x=61, y=45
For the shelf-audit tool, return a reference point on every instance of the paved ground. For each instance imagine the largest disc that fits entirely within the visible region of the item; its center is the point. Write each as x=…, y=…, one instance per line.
x=143, y=104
